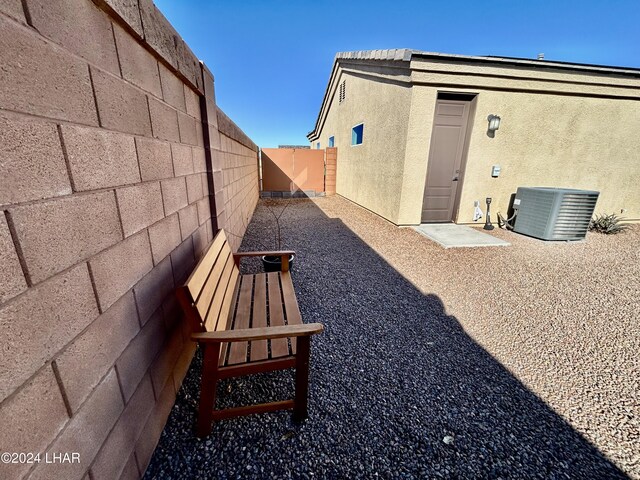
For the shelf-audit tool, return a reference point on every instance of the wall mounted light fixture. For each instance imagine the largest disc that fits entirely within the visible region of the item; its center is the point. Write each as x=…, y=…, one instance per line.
x=494, y=122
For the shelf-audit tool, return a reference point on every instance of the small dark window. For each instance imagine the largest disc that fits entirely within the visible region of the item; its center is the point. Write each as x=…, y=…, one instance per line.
x=456, y=96
x=318, y=146
x=342, y=92
x=356, y=134
x=331, y=141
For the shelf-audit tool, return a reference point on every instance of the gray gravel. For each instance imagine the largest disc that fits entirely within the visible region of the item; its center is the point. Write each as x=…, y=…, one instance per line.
x=517, y=362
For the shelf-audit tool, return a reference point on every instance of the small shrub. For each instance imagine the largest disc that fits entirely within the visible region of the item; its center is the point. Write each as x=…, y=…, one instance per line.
x=607, y=224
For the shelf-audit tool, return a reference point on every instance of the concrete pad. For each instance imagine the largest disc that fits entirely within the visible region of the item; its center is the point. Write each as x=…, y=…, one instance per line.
x=450, y=235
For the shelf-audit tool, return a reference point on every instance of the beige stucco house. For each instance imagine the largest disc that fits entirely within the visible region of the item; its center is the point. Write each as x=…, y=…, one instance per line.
x=414, y=144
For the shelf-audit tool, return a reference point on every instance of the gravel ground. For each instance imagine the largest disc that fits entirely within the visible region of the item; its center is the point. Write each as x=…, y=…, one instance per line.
x=516, y=362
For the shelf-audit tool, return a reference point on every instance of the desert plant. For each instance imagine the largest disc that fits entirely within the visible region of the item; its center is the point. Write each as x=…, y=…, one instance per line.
x=607, y=224
x=278, y=230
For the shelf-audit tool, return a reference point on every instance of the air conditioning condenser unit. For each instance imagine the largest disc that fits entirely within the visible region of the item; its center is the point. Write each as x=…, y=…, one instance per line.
x=554, y=213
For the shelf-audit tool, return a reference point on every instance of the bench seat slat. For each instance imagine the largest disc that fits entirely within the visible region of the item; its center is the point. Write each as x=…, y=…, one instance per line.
x=238, y=350
x=290, y=302
x=280, y=346
x=259, y=348
x=224, y=347
x=290, y=305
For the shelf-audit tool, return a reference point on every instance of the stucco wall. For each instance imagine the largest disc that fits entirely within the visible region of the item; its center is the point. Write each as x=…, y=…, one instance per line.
x=552, y=134
x=556, y=141
x=423, y=105
x=110, y=139
x=369, y=174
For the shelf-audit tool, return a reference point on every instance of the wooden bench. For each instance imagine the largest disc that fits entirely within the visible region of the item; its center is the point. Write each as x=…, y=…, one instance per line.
x=245, y=324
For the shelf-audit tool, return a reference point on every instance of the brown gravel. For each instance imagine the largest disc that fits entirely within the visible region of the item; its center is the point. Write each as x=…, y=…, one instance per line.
x=563, y=318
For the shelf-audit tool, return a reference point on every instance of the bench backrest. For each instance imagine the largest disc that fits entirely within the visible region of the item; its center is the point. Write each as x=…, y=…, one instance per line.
x=207, y=295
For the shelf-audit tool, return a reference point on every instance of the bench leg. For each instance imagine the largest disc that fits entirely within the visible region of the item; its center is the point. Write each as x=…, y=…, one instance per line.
x=208, y=385
x=302, y=378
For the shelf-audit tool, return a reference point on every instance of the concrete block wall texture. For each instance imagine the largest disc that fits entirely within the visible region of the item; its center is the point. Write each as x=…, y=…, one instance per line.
x=111, y=187
x=233, y=170
x=331, y=168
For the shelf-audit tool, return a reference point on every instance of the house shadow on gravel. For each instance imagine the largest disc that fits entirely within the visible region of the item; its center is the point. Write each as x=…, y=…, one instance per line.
x=391, y=377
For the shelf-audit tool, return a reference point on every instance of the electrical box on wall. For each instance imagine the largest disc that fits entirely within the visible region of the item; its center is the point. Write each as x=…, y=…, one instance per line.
x=495, y=171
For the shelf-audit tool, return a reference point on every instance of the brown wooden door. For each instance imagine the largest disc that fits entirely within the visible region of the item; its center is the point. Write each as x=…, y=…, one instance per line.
x=445, y=160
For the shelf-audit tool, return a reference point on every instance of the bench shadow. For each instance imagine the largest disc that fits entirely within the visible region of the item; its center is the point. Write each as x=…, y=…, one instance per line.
x=392, y=377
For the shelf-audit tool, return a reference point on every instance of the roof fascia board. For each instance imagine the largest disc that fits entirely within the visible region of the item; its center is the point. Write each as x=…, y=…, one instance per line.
x=463, y=76
x=328, y=93
x=526, y=63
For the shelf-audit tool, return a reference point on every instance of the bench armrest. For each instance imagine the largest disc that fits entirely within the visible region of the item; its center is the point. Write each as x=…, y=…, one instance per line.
x=248, y=334
x=280, y=253
x=283, y=254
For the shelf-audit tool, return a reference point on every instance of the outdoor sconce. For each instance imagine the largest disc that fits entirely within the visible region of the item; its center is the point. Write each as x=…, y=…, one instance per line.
x=494, y=122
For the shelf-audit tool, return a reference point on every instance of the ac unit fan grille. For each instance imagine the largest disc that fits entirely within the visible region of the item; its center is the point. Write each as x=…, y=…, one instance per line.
x=554, y=213
x=574, y=215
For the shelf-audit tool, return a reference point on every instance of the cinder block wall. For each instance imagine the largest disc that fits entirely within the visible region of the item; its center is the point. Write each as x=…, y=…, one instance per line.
x=235, y=177
x=110, y=189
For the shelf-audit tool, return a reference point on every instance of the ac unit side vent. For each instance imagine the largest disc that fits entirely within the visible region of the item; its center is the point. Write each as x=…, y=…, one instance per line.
x=554, y=213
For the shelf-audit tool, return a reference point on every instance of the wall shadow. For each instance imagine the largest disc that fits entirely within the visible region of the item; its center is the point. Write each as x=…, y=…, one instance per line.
x=391, y=377
x=292, y=172
x=273, y=177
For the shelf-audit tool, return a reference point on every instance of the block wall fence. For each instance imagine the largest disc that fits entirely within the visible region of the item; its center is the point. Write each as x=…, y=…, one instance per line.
x=116, y=170
x=290, y=171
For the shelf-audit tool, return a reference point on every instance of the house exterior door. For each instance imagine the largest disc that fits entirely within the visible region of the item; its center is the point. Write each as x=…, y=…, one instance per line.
x=445, y=160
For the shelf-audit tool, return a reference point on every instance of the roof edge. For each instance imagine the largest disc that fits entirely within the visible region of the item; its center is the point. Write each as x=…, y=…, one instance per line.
x=529, y=62
x=407, y=54
x=394, y=54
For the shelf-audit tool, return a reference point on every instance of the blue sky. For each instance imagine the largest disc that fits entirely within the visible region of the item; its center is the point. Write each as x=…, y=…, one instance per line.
x=272, y=59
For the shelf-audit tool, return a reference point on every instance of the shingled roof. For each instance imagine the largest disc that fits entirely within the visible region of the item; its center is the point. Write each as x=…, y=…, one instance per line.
x=392, y=54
